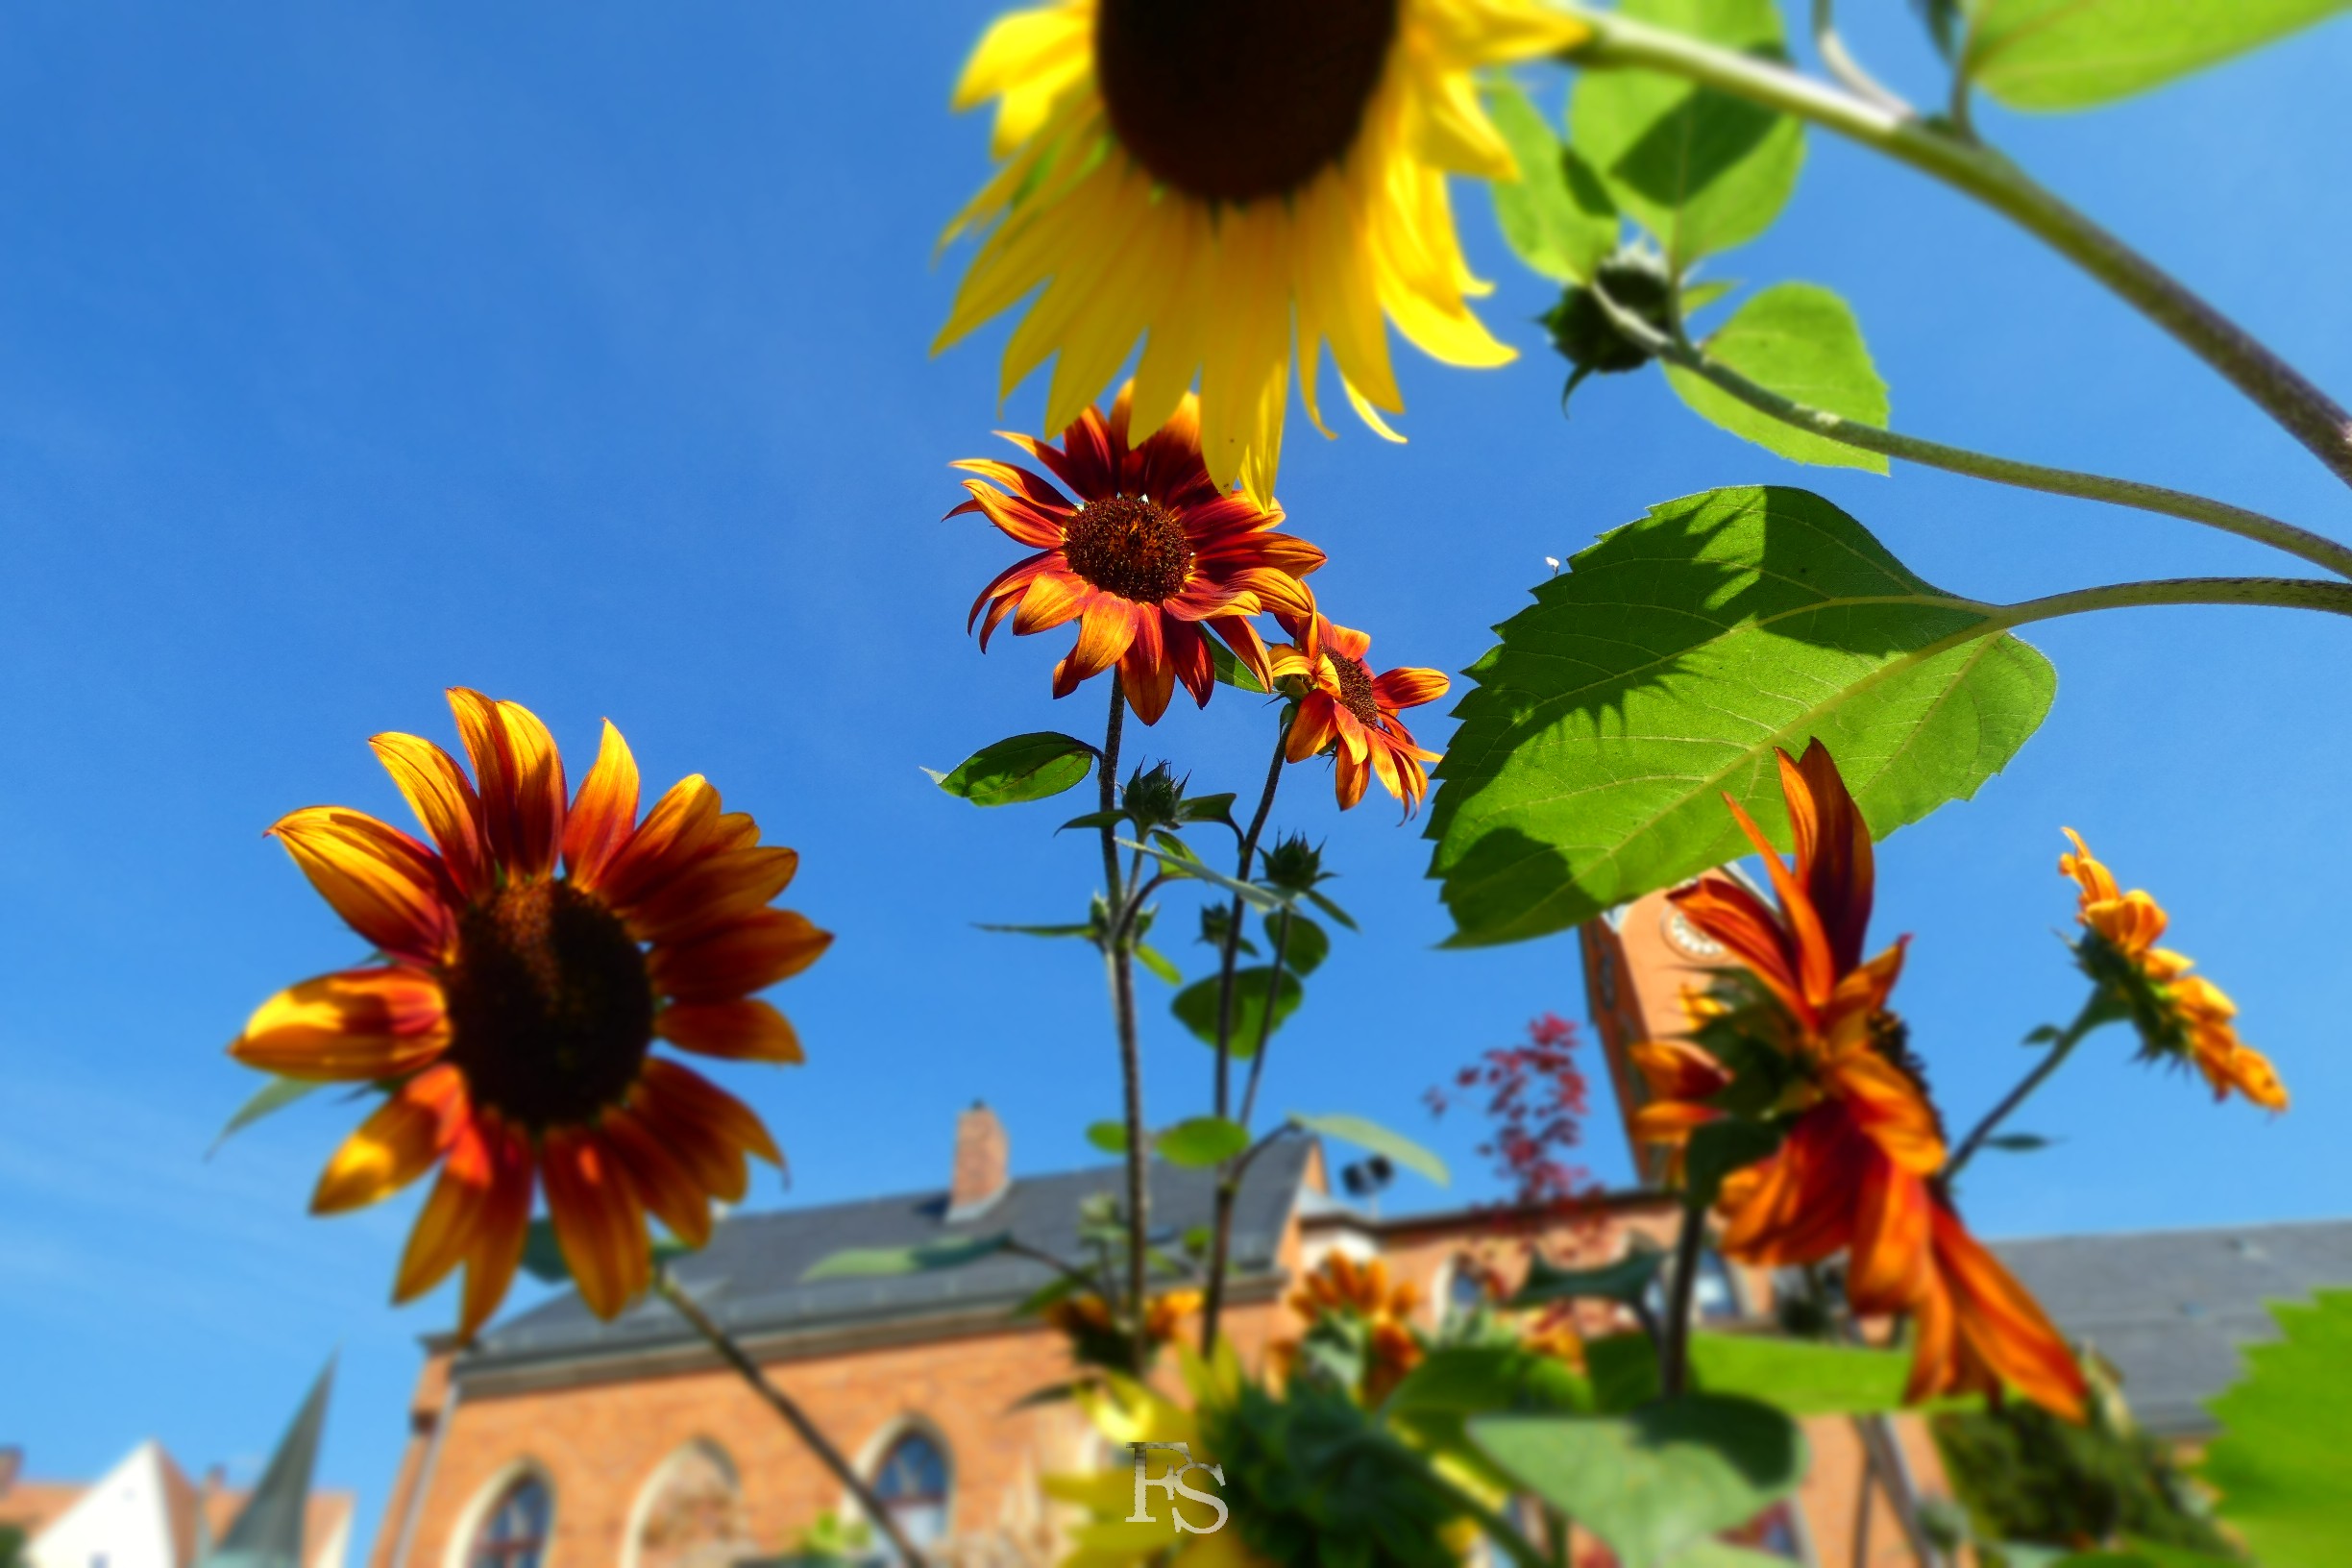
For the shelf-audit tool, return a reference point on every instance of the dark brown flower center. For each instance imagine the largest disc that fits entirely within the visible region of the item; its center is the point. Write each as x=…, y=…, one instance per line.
x=550, y=1007
x=1230, y=100
x=1356, y=688
x=1128, y=545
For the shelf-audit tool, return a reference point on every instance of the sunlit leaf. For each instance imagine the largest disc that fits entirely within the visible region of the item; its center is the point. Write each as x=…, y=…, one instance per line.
x=1797, y=1376
x=1023, y=768
x=1308, y=946
x=269, y=1099
x=1202, y=1141
x=1367, y=1133
x=1598, y=739
x=1626, y=1280
x=2281, y=1466
x=1801, y=341
x=1230, y=671
x=1657, y=1480
x=1555, y=216
x=1109, y=1136
x=1153, y=960
x=2072, y=54
x=1702, y=170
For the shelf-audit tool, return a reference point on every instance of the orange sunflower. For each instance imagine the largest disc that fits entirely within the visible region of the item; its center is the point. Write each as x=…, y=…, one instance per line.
x=1339, y=1287
x=1348, y=710
x=1148, y=554
x=532, y=956
x=1856, y=1169
x=2179, y=1015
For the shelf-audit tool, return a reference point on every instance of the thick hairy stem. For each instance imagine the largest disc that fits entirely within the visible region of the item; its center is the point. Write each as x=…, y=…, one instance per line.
x=1119, y=959
x=2094, y=1012
x=786, y=1406
x=1229, y=1178
x=2307, y=413
x=2315, y=548
x=1674, y=1345
x=1265, y=1018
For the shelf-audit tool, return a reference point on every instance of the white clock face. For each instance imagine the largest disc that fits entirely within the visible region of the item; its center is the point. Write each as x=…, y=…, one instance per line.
x=1687, y=938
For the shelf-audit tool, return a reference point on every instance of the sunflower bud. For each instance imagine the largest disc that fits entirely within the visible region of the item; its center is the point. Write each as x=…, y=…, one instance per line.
x=1153, y=798
x=1294, y=865
x=1582, y=330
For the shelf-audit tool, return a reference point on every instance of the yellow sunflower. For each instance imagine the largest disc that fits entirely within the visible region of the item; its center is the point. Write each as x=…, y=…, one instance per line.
x=1223, y=178
x=532, y=954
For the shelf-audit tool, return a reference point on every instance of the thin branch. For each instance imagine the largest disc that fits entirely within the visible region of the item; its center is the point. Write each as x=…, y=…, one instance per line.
x=2098, y=1009
x=1673, y=1346
x=1675, y=351
x=1118, y=957
x=1846, y=69
x=2307, y=413
x=788, y=1407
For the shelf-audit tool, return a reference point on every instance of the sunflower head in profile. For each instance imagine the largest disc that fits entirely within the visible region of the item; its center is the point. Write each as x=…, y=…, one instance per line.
x=1145, y=553
x=1347, y=710
x=1210, y=177
x=530, y=956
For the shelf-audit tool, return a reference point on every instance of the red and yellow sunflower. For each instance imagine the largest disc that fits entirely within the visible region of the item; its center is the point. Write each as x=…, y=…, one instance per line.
x=2178, y=1014
x=532, y=954
x=1857, y=1171
x=1147, y=554
x=1348, y=710
x=1340, y=1287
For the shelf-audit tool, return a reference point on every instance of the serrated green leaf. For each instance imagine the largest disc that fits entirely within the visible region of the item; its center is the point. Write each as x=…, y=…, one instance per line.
x=1626, y=1280
x=1702, y=171
x=1308, y=946
x=1367, y=1133
x=2281, y=1463
x=1656, y=1482
x=1801, y=341
x=1023, y=768
x=1109, y=1136
x=1600, y=735
x=1201, y=1141
x=2074, y=53
x=1555, y=216
x=1230, y=671
x=857, y=1262
x=268, y=1100
x=1196, y=1007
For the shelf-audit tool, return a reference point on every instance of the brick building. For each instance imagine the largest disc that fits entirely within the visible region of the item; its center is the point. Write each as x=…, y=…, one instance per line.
x=559, y=1441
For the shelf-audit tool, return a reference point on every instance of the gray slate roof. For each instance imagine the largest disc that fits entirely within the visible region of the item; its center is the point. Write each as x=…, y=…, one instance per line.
x=2171, y=1308
x=748, y=1277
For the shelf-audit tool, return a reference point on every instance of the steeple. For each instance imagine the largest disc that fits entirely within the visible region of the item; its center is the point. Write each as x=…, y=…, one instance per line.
x=268, y=1530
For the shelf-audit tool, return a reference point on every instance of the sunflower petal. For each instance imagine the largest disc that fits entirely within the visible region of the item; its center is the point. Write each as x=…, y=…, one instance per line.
x=386, y=885
x=713, y=890
x=678, y=829
x=599, y=1220
x=604, y=813
x=443, y=798
x=354, y=1026
x=748, y=954
x=738, y=1031
x=520, y=777
x=396, y=1145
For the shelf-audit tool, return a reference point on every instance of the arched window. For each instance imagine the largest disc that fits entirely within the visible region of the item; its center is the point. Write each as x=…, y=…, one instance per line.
x=912, y=1484
x=690, y=1514
x=514, y=1533
x=1466, y=1289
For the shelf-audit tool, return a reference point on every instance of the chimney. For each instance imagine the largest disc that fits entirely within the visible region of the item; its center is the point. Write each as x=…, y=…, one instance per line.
x=982, y=1161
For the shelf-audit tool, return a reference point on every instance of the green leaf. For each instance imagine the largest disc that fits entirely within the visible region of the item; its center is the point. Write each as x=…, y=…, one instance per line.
x=1156, y=961
x=1437, y=1399
x=1196, y=1007
x=2137, y=1554
x=1207, y=808
x=1724, y=1554
x=1230, y=671
x=1023, y=768
x=1202, y=1141
x=1801, y=341
x=1626, y=1280
x=1333, y=910
x=1042, y=930
x=1309, y=944
x=1370, y=1134
x=1702, y=171
x=2072, y=54
x=1659, y=1480
x=2018, y=1142
x=1799, y=1377
x=2281, y=1463
x=1718, y=1149
x=1601, y=735
x=1109, y=1136
x=857, y=1262
x=1624, y=1371
x=1555, y=216
x=269, y=1099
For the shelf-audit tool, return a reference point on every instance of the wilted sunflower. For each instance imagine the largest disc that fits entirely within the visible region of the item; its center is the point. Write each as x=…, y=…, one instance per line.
x=1210, y=177
x=1857, y=1169
x=1148, y=554
x=2179, y=1016
x=1347, y=708
x=530, y=960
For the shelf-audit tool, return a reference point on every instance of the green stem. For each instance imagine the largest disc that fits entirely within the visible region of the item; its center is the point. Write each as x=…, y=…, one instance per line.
x=1674, y=1345
x=2307, y=413
x=1119, y=958
x=2278, y=592
x=1266, y=1018
x=1831, y=47
x=2098, y=1009
x=790, y=1411
x=1229, y=1178
x=2315, y=548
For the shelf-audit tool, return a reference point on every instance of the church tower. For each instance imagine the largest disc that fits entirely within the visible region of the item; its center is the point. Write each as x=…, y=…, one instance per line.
x=1638, y=960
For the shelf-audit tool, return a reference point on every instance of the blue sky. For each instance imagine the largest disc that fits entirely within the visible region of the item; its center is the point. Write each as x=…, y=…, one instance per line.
x=579, y=353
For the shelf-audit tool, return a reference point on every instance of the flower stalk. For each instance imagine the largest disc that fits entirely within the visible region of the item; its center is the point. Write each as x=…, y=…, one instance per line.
x=1673, y=1342
x=2102, y=1008
x=1118, y=957
x=2300, y=408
